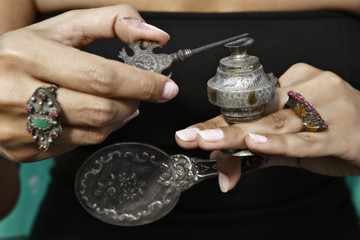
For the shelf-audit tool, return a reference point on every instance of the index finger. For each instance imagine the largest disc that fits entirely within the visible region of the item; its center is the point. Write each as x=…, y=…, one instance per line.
x=78, y=28
x=72, y=68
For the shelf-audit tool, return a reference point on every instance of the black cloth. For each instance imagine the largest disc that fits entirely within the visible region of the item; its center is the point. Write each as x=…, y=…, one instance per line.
x=272, y=203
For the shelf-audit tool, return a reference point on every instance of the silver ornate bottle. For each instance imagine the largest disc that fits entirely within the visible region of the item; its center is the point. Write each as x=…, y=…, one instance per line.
x=241, y=87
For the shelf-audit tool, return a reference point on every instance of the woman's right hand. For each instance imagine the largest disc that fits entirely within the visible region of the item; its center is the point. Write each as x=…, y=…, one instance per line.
x=97, y=96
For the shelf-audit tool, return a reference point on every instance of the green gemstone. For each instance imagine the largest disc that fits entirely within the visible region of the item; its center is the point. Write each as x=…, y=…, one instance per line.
x=40, y=123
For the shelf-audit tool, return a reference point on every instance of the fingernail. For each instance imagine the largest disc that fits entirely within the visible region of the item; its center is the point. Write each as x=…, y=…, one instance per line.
x=258, y=138
x=223, y=182
x=212, y=134
x=170, y=90
x=132, y=116
x=151, y=27
x=144, y=44
x=188, y=134
x=213, y=154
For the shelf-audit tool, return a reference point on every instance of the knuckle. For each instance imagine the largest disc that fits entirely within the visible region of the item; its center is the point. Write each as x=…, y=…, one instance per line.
x=102, y=79
x=283, y=142
x=237, y=131
x=277, y=120
x=208, y=125
x=307, y=140
x=9, y=49
x=8, y=40
x=17, y=51
x=25, y=155
x=149, y=89
x=348, y=106
x=327, y=77
x=352, y=107
x=102, y=114
x=17, y=157
x=299, y=67
x=97, y=136
x=8, y=100
x=8, y=136
x=14, y=148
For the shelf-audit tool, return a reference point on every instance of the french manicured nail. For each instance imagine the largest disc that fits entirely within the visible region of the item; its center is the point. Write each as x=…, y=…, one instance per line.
x=188, y=134
x=132, y=116
x=212, y=134
x=170, y=90
x=258, y=138
x=224, y=182
x=151, y=27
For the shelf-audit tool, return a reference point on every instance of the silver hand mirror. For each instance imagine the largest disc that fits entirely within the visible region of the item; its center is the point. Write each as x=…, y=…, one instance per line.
x=130, y=184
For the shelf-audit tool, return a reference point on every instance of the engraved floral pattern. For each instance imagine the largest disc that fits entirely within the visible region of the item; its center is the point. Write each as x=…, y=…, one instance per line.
x=145, y=58
x=123, y=187
x=114, y=186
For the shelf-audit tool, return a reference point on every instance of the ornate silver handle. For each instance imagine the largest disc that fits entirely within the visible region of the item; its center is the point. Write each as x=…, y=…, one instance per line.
x=146, y=59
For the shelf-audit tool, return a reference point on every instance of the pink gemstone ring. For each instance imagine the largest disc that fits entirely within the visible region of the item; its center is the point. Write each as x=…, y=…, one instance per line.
x=312, y=120
x=43, y=117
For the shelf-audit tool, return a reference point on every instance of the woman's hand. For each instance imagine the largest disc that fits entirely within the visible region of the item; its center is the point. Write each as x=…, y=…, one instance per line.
x=9, y=186
x=279, y=134
x=97, y=96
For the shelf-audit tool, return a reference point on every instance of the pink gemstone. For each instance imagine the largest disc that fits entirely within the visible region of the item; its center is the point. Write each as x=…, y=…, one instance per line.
x=291, y=93
x=41, y=96
x=307, y=103
x=296, y=96
x=323, y=121
x=54, y=114
x=28, y=108
x=311, y=108
x=326, y=126
x=316, y=113
x=53, y=135
x=301, y=100
x=29, y=130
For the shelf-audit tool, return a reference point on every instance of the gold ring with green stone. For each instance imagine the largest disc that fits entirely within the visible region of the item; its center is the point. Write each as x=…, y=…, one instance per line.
x=43, y=120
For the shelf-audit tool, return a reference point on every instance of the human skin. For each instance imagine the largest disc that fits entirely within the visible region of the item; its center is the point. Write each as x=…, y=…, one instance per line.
x=279, y=134
x=206, y=5
x=110, y=88
x=9, y=174
x=14, y=14
x=48, y=53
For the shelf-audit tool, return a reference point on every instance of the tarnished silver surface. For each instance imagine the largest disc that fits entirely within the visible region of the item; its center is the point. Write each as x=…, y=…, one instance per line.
x=146, y=59
x=43, y=120
x=130, y=184
x=241, y=87
x=250, y=161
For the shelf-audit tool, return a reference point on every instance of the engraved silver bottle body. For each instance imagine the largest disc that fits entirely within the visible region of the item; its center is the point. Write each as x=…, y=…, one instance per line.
x=240, y=86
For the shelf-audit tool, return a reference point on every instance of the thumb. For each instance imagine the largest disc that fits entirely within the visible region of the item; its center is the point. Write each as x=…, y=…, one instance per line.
x=78, y=28
x=229, y=168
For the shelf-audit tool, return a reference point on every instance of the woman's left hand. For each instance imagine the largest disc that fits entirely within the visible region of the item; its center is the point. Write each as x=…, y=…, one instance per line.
x=334, y=152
